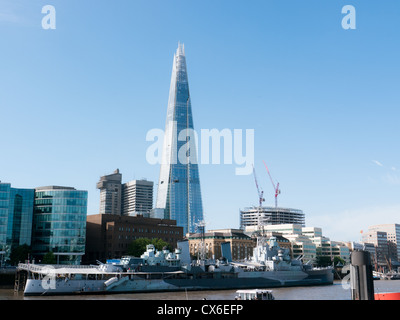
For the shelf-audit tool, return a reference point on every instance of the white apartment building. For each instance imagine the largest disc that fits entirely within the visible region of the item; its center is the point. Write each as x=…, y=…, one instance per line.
x=307, y=242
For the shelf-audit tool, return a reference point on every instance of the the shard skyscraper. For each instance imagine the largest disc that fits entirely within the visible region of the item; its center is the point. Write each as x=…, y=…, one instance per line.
x=179, y=191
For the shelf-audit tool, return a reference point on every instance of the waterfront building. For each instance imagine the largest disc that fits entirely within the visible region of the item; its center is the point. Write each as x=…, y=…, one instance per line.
x=263, y=216
x=339, y=249
x=16, y=213
x=302, y=247
x=284, y=229
x=312, y=232
x=109, y=236
x=393, y=237
x=379, y=240
x=307, y=242
x=326, y=247
x=137, y=198
x=322, y=244
x=179, y=193
x=352, y=245
x=210, y=242
x=110, y=193
x=59, y=223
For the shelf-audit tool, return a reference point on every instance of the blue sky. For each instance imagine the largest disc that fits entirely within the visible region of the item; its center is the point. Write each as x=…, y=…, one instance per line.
x=77, y=102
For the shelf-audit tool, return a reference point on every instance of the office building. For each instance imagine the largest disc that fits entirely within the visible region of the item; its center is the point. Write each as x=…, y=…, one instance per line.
x=322, y=244
x=307, y=242
x=340, y=249
x=302, y=247
x=16, y=213
x=110, y=193
x=109, y=236
x=179, y=191
x=281, y=228
x=59, y=223
x=379, y=240
x=352, y=246
x=312, y=232
x=137, y=198
x=393, y=237
x=127, y=199
x=262, y=216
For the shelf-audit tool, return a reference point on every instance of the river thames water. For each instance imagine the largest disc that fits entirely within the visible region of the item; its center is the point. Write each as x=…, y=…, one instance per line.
x=337, y=291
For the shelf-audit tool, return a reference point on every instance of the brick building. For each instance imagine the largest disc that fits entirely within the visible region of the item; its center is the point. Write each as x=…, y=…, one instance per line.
x=108, y=236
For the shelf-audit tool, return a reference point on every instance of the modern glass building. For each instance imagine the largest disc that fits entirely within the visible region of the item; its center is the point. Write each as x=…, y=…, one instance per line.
x=16, y=211
x=59, y=223
x=4, y=209
x=179, y=191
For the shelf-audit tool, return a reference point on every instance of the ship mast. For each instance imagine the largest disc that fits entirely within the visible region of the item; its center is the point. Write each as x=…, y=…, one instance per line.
x=201, y=253
x=260, y=201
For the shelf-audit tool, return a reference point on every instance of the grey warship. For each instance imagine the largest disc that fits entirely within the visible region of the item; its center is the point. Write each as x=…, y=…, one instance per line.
x=157, y=271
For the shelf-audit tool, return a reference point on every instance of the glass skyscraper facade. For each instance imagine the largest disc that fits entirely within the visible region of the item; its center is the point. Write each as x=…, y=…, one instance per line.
x=59, y=223
x=4, y=209
x=20, y=221
x=179, y=191
x=16, y=211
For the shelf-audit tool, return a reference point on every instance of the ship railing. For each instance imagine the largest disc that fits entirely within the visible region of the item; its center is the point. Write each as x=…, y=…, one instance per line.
x=41, y=267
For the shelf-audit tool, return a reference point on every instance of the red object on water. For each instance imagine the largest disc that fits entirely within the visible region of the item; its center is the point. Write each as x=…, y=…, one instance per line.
x=387, y=296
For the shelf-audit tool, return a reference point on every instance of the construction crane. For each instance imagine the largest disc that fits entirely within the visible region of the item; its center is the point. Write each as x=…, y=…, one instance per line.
x=276, y=186
x=260, y=193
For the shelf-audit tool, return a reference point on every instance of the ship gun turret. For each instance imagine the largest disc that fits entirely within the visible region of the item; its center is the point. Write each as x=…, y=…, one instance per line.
x=153, y=257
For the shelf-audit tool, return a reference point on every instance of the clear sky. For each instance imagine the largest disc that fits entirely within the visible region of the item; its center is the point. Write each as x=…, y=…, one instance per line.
x=77, y=102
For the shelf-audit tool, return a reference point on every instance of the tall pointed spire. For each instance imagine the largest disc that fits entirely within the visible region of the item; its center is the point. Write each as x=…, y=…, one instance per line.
x=181, y=49
x=179, y=191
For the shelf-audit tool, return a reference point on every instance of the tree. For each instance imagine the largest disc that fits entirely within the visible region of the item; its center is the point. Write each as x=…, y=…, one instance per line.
x=161, y=244
x=322, y=261
x=49, y=258
x=338, y=260
x=138, y=246
x=20, y=254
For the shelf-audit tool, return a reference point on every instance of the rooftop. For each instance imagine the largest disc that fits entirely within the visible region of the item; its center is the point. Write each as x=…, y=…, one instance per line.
x=54, y=188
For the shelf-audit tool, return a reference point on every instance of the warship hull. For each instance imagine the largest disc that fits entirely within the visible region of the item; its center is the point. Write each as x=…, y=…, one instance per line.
x=178, y=281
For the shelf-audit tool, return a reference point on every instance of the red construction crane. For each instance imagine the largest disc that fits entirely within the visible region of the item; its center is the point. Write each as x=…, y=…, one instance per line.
x=260, y=193
x=276, y=186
